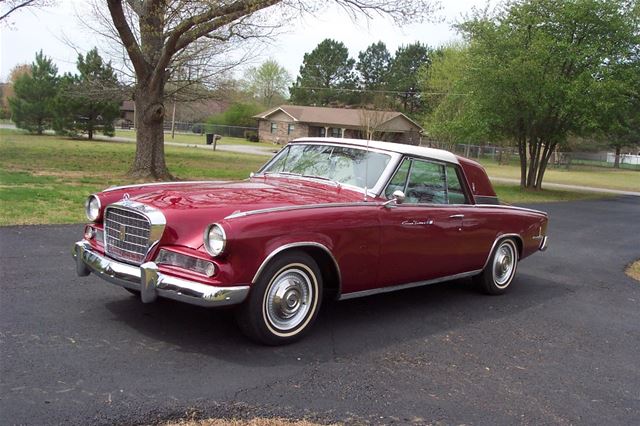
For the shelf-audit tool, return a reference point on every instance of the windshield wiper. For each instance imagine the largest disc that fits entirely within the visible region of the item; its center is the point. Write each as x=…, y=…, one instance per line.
x=321, y=178
x=281, y=173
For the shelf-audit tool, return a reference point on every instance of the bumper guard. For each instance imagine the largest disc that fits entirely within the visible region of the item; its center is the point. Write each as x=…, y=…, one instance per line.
x=151, y=283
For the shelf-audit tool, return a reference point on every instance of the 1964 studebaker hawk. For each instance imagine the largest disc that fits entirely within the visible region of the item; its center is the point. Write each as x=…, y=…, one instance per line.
x=323, y=218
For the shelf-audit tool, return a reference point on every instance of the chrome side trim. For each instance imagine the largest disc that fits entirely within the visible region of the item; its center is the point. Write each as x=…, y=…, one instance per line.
x=503, y=206
x=115, y=188
x=543, y=244
x=152, y=283
x=380, y=290
x=301, y=207
x=495, y=242
x=280, y=249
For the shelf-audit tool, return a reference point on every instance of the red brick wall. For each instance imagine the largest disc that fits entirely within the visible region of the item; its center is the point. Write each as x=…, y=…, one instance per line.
x=281, y=135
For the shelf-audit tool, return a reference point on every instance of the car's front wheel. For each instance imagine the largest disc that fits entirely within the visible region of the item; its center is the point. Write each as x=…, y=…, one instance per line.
x=284, y=302
x=501, y=268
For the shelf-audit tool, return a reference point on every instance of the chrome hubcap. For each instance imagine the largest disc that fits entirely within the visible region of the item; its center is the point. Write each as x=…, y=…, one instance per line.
x=503, y=265
x=288, y=299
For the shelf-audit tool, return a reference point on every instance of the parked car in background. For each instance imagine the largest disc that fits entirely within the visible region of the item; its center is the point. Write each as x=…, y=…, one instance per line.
x=323, y=218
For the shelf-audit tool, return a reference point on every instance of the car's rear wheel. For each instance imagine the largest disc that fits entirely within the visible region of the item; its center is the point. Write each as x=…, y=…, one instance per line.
x=284, y=302
x=501, y=268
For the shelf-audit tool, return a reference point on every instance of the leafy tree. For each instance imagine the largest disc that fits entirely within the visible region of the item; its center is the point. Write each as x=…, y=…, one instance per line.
x=268, y=83
x=164, y=38
x=621, y=115
x=89, y=101
x=373, y=70
x=545, y=69
x=403, y=75
x=324, y=71
x=454, y=115
x=32, y=106
x=373, y=66
x=6, y=89
x=238, y=114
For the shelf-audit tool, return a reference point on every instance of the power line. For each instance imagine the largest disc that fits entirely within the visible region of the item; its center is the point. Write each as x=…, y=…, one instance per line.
x=395, y=92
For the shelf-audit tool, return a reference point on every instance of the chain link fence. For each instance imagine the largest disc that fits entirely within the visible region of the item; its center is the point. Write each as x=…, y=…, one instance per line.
x=203, y=128
x=505, y=155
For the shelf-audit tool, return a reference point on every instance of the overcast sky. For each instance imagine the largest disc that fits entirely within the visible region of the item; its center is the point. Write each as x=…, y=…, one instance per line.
x=47, y=28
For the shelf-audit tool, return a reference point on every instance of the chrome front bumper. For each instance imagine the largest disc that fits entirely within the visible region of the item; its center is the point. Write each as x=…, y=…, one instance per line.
x=151, y=283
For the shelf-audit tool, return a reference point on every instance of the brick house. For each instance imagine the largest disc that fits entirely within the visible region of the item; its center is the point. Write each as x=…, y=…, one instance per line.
x=287, y=122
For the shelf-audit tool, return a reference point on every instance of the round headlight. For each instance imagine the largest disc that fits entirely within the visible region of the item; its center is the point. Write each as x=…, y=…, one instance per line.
x=215, y=239
x=92, y=208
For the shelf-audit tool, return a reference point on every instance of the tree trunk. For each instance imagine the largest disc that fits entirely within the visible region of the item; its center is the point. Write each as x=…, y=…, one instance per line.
x=90, y=133
x=616, y=163
x=544, y=161
x=522, y=152
x=534, y=152
x=149, y=161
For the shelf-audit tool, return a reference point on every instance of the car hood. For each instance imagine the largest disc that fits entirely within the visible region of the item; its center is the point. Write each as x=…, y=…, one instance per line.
x=189, y=207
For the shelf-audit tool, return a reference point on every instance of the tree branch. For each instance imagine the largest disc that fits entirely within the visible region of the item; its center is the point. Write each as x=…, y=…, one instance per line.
x=128, y=39
x=13, y=7
x=200, y=25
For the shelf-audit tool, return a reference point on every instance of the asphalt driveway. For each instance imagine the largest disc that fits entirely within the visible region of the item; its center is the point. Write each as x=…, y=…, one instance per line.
x=561, y=347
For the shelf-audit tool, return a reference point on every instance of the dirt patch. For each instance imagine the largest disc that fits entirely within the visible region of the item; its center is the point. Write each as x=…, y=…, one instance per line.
x=633, y=270
x=72, y=174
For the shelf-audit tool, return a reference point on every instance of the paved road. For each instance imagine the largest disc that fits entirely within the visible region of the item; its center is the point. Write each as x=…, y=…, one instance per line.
x=561, y=347
x=242, y=149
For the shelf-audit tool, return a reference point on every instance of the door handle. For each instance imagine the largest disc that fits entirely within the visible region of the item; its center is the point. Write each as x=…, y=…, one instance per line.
x=456, y=216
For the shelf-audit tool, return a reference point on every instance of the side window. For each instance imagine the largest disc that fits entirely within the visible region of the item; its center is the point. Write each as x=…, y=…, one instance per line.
x=454, y=187
x=399, y=180
x=426, y=183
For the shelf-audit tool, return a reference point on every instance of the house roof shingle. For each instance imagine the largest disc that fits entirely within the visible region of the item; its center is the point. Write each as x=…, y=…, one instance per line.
x=333, y=116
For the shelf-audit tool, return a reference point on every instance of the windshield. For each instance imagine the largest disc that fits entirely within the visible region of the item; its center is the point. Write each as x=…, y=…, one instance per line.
x=345, y=165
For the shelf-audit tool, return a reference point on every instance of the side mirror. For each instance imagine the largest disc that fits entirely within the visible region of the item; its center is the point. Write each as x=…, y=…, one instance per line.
x=398, y=198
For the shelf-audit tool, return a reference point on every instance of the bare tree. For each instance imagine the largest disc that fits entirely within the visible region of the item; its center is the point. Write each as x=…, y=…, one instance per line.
x=371, y=122
x=171, y=40
x=7, y=7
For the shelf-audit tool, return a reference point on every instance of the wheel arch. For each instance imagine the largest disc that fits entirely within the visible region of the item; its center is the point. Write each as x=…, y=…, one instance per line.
x=331, y=277
x=519, y=245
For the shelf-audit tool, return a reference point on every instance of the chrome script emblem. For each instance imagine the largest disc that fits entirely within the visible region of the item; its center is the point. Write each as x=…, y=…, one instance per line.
x=122, y=233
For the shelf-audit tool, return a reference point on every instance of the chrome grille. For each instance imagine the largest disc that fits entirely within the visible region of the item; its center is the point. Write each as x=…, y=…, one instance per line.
x=126, y=234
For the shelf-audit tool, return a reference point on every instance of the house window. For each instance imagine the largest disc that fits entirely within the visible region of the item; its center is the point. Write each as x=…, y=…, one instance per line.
x=335, y=132
x=322, y=132
x=290, y=128
x=274, y=127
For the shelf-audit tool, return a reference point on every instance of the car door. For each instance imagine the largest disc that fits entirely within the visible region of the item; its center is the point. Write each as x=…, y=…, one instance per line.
x=420, y=238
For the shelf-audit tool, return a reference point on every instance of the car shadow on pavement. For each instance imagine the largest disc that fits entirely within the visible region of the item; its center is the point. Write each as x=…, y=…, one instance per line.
x=343, y=329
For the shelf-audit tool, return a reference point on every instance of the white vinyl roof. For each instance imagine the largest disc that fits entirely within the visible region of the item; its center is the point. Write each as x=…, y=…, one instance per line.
x=411, y=150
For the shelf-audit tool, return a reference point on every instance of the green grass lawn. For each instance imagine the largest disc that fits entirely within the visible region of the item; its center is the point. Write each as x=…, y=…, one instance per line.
x=196, y=139
x=597, y=177
x=45, y=179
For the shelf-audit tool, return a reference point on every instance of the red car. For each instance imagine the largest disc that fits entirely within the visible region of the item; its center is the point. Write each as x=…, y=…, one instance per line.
x=324, y=217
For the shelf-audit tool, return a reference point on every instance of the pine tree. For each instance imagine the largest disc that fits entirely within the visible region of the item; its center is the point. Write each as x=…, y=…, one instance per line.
x=32, y=105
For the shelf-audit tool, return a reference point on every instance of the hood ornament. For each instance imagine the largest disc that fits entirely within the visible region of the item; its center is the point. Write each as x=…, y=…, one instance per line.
x=125, y=199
